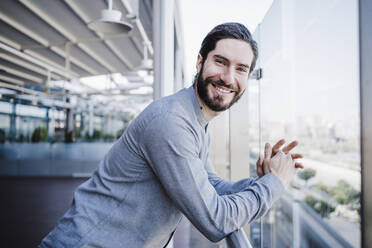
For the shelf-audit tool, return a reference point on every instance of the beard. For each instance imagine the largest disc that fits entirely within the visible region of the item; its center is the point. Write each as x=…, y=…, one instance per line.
x=215, y=103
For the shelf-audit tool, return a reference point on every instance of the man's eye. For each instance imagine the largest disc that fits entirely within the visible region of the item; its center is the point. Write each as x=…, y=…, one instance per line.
x=218, y=61
x=242, y=69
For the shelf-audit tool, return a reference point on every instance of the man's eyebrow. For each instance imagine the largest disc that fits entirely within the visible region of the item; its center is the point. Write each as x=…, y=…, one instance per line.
x=224, y=58
x=220, y=57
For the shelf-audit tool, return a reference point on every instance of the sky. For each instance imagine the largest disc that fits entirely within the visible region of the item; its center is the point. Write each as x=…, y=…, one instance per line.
x=200, y=16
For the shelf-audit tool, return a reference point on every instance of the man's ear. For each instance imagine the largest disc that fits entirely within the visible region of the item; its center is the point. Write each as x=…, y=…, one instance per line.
x=199, y=63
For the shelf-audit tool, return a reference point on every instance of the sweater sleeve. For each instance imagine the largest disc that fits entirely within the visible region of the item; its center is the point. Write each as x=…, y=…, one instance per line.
x=170, y=147
x=226, y=187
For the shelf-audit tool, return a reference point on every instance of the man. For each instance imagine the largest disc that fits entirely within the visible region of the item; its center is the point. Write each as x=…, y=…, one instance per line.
x=159, y=170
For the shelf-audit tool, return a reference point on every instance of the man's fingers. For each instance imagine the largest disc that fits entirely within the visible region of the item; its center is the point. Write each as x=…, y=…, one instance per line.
x=260, y=161
x=268, y=151
x=266, y=162
x=299, y=165
x=277, y=146
x=259, y=164
x=266, y=166
x=296, y=155
x=289, y=147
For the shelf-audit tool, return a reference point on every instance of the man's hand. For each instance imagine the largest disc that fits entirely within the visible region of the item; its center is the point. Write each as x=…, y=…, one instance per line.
x=262, y=164
x=283, y=166
x=286, y=150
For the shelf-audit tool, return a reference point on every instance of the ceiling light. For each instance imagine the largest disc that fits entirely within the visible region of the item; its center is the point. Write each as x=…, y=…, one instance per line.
x=110, y=22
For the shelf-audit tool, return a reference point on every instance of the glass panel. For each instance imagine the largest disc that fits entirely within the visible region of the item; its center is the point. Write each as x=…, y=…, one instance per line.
x=310, y=93
x=254, y=146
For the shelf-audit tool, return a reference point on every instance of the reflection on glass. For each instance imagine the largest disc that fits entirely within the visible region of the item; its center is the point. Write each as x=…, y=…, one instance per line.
x=309, y=92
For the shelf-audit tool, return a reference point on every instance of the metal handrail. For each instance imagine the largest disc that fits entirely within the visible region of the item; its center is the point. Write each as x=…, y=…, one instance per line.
x=238, y=239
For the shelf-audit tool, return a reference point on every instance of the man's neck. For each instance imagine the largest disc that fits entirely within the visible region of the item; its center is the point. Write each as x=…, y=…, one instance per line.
x=207, y=112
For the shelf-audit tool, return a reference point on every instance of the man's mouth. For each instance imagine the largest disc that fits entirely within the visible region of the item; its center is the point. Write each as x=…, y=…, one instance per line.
x=221, y=89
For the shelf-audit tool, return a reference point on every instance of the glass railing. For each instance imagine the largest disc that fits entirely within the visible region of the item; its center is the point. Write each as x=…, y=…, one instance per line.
x=309, y=91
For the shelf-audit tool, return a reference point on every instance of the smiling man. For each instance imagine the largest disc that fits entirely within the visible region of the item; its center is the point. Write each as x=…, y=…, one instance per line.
x=159, y=170
x=223, y=74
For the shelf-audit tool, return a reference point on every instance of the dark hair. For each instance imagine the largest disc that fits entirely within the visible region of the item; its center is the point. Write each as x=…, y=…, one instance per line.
x=229, y=30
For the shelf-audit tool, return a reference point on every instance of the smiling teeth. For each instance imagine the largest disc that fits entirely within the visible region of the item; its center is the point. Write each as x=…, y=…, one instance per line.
x=222, y=90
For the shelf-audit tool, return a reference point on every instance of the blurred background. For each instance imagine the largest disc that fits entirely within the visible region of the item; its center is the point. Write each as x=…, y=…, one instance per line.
x=74, y=74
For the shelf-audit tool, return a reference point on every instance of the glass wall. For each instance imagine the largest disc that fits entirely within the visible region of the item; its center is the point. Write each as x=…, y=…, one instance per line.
x=255, y=148
x=310, y=92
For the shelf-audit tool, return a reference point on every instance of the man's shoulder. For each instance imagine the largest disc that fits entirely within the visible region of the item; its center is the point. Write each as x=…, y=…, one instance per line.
x=168, y=118
x=176, y=104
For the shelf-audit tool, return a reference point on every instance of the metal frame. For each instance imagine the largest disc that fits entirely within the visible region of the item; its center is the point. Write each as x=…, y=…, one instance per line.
x=365, y=35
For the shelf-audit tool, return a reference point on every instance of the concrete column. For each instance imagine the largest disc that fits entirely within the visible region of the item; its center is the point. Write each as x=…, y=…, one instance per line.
x=163, y=36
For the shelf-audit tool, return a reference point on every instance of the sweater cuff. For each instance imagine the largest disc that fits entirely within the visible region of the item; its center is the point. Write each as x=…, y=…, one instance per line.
x=273, y=182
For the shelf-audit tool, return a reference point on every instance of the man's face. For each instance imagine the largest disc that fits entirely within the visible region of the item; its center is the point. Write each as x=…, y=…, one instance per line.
x=223, y=76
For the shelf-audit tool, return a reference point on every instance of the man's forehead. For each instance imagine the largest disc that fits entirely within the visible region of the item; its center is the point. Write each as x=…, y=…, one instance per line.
x=235, y=50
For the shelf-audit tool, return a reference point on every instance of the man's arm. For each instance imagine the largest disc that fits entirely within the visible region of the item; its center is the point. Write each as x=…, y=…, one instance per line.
x=226, y=187
x=223, y=186
x=170, y=148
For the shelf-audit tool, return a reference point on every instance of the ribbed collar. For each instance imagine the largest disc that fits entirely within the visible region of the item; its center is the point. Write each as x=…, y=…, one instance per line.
x=197, y=108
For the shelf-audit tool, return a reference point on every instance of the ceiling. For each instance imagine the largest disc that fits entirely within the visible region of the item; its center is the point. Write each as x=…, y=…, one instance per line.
x=52, y=35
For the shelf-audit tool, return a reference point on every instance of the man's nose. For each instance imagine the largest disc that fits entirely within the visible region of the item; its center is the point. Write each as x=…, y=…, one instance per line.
x=228, y=76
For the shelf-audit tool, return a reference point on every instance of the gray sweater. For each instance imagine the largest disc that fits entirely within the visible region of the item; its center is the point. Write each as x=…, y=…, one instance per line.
x=158, y=171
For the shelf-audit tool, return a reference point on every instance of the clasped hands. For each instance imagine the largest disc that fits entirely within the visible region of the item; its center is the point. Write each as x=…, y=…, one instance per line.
x=278, y=161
